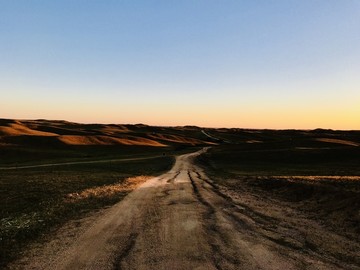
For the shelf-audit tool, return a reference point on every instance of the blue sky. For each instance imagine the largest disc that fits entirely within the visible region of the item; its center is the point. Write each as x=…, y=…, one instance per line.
x=260, y=64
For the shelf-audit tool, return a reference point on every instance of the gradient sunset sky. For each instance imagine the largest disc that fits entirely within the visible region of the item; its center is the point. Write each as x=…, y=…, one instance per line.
x=250, y=64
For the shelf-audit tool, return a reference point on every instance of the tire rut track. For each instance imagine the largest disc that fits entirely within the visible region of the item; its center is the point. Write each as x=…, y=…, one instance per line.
x=171, y=180
x=213, y=231
x=241, y=208
x=125, y=251
x=265, y=223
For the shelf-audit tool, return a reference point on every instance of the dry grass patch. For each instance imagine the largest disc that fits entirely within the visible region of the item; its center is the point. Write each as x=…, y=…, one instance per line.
x=320, y=178
x=337, y=141
x=107, y=191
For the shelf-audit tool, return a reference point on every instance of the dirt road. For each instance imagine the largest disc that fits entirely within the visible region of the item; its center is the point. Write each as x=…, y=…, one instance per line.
x=182, y=220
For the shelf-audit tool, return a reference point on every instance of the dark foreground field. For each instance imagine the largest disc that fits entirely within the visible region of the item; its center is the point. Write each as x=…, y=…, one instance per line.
x=318, y=171
x=299, y=183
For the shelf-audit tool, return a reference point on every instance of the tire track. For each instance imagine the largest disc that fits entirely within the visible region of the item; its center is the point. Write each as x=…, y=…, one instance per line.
x=263, y=228
x=125, y=251
x=214, y=232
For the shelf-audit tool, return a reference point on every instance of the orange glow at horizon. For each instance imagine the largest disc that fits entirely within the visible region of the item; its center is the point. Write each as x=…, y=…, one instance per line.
x=264, y=118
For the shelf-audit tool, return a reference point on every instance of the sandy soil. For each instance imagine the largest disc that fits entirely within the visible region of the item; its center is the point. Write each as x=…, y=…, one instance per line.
x=183, y=220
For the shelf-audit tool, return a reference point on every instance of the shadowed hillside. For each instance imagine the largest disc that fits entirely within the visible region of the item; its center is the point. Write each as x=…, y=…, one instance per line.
x=24, y=132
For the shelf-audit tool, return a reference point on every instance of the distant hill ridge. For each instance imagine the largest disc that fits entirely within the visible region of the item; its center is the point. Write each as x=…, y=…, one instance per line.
x=60, y=132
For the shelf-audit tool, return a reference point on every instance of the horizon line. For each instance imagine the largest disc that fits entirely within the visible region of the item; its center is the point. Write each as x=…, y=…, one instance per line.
x=174, y=126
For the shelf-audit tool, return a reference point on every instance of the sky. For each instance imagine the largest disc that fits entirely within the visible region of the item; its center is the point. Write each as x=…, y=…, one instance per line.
x=247, y=64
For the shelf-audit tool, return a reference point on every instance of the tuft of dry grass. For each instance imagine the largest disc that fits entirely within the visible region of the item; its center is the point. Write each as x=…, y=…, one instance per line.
x=337, y=141
x=319, y=178
x=107, y=191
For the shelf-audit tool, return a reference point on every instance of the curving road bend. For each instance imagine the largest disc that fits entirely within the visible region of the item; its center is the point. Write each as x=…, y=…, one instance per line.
x=182, y=220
